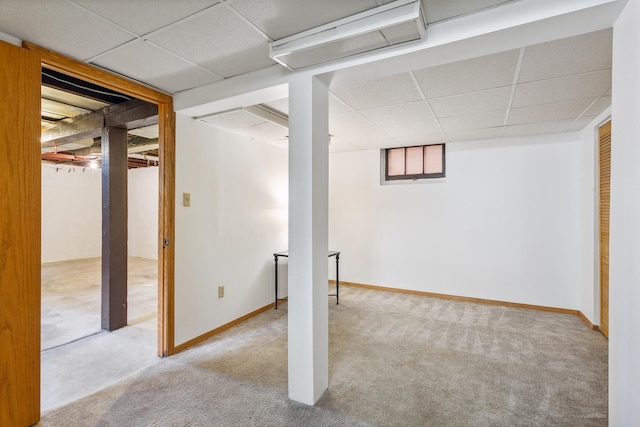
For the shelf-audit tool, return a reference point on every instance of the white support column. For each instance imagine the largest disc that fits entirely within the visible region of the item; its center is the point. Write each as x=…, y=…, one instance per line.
x=308, y=239
x=624, y=267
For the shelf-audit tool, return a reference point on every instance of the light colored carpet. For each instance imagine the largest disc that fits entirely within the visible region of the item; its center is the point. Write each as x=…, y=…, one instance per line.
x=395, y=360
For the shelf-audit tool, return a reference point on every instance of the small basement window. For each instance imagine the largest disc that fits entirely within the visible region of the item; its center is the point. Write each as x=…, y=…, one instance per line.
x=426, y=161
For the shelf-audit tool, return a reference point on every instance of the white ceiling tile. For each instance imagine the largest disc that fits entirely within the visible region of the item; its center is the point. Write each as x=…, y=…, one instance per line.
x=396, y=89
x=283, y=18
x=555, y=126
x=410, y=112
x=599, y=106
x=375, y=144
x=573, y=55
x=475, y=134
x=341, y=147
x=473, y=121
x=219, y=41
x=424, y=139
x=347, y=122
x=336, y=106
x=60, y=26
x=266, y=131
x=485, y=72
x=548, y=112
x=398, y=130
x=233, y=120
x=155, y=67
x=144, y=16
x=580, y=86
x=439, y=10
x=281, y=105
x=580, y=123
x=472, y=103
x=360, y=134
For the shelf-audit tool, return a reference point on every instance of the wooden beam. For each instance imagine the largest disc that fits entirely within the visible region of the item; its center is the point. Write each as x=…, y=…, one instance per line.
x=114, y=228
x=129, y=115
x=82, y=127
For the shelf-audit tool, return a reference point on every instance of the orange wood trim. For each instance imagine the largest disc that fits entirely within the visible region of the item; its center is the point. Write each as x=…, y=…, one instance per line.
x=84, y=71
x=604, y=211
x=167, y=136
x=222, y=328
x=20, y=234
x=588, y=322
x=461, y=298
x=166, y=223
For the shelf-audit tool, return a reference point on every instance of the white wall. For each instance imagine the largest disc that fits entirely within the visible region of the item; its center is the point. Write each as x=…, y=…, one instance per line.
x=624, y=278
x=71, y=213
x=143, y=212
x=237, y=220
x=503, y=225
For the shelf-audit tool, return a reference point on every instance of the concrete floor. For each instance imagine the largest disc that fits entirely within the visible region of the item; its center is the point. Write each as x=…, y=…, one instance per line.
x=78, y=358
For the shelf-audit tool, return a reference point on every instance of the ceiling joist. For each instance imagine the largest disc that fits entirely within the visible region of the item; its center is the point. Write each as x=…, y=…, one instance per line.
x=129, y=115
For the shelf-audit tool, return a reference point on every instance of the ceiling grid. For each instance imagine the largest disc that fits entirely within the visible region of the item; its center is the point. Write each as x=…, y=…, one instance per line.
x=555, y=86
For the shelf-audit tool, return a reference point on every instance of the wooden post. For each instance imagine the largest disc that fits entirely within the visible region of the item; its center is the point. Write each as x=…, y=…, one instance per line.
x=114, y=228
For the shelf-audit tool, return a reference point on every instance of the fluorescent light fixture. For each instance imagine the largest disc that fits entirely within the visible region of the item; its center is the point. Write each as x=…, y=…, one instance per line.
x=392, y=24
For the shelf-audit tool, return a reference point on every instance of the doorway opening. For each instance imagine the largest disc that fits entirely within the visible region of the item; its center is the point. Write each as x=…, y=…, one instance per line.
x=100, y=180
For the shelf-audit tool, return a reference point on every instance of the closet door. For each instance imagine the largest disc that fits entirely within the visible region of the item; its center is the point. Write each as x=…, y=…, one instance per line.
x=605, y=186
x=20, y=188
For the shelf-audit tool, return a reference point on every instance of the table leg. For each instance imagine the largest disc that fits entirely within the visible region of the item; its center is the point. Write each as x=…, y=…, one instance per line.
x=275, y=257
x=337, y=279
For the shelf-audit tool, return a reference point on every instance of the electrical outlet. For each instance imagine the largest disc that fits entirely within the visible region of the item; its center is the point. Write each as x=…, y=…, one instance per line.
x=221, y=291
x=186, y=199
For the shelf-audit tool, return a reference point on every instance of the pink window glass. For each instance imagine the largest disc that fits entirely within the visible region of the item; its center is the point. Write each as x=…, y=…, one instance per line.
x=433, y=158
x=395, y=162
x=414, y=161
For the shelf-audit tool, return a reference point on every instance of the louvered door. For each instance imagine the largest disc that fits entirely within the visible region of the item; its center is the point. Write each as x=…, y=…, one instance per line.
x=605, y=186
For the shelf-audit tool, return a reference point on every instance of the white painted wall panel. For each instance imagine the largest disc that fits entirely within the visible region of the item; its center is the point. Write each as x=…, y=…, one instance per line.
x=503, y=225
x=71, y=213
x=143, y=212
x=237, y=220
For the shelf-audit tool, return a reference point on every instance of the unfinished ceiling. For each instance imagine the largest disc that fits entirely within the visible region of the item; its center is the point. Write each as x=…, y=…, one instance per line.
x=555, y=86
x=72, y=123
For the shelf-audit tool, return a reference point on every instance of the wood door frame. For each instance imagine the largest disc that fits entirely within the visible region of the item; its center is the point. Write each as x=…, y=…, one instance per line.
x=166, y=198
x=20, y=232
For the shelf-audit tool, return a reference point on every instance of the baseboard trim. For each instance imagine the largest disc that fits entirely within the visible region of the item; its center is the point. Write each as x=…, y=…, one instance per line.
x=475, y=300
x=588, y=322
x=207, y=335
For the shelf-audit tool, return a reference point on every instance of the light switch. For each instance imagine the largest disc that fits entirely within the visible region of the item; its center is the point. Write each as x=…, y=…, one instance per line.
x=186, y=199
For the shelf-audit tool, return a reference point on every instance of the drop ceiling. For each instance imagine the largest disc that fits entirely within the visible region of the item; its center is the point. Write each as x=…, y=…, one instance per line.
x=555, y=86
